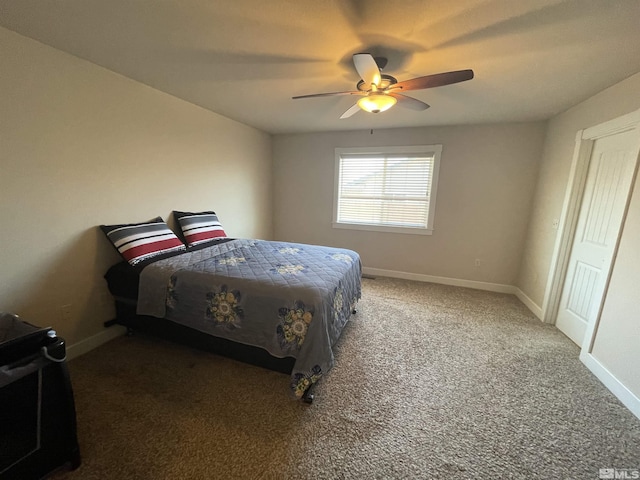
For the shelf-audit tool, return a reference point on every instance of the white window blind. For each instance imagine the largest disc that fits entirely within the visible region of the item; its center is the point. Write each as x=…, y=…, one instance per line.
x=387, y=189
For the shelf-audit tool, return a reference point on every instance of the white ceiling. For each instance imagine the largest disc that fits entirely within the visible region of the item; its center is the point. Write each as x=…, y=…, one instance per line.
x=245, y=59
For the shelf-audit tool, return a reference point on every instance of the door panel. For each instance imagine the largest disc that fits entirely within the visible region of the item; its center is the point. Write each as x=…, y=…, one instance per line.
x=583, y=285
x=605, y=197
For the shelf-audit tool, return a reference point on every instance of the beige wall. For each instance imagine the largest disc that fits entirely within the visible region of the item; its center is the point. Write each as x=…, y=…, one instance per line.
x=613, y=102
x=81, y=146
x=487, y=179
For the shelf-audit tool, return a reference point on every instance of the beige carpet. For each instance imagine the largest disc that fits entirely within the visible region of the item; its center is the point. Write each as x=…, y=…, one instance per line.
x=430, y=382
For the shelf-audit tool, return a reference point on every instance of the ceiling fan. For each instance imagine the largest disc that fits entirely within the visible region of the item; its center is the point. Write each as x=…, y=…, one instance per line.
x=380, y=92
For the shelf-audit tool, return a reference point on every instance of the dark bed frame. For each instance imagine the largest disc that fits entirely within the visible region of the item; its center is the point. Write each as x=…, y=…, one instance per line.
x=168, y=330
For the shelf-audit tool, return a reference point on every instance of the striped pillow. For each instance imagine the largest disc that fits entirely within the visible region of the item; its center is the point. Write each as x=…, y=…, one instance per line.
x=199, y=228
x=138, y=242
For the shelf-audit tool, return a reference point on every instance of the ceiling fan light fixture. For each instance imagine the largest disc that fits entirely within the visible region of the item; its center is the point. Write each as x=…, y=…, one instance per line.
x=376, y=102
x=379, y=92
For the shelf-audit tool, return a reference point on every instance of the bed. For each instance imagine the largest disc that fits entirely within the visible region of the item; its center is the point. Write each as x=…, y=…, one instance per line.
x=275, y=304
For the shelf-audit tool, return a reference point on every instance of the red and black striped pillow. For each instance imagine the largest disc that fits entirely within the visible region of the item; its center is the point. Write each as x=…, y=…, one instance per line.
x=199, y=228
x=138, y=242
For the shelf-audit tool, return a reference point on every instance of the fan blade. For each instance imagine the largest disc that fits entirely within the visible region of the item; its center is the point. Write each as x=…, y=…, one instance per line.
x=367, y=68
x=329, y=94
x=431, y=81
x=409, y=102
x=352, y=111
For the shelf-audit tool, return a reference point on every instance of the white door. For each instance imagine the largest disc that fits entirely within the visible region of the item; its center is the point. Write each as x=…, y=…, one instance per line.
x=607, y=188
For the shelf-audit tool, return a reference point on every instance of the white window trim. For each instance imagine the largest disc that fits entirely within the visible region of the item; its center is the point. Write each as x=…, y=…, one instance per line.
x=435, y=149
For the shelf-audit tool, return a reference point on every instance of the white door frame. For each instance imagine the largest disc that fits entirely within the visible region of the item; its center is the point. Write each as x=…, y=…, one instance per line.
x=571, y=208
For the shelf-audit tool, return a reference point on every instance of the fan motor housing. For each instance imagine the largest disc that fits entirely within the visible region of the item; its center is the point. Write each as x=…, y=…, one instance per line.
x=385, y=82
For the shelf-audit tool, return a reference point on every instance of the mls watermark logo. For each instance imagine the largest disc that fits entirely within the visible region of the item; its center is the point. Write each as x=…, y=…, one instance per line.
x=621, y=473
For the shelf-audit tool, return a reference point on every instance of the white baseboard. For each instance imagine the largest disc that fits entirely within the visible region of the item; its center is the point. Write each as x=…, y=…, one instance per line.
x=457, y=282
x=492, y=287
x=626, y=396
x=531, y=305
x=88, y=344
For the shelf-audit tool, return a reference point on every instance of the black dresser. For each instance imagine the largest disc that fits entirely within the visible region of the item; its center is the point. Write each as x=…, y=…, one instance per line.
x=37, y=411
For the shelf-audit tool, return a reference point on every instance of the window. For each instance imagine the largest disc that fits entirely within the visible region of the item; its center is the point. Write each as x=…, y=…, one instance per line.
x=390, y=189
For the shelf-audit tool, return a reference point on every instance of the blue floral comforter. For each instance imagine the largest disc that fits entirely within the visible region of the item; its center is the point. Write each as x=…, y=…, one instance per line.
x=290, y=299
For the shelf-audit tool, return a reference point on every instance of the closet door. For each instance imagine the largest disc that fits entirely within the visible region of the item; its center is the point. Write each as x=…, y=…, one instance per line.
x=609, y=177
